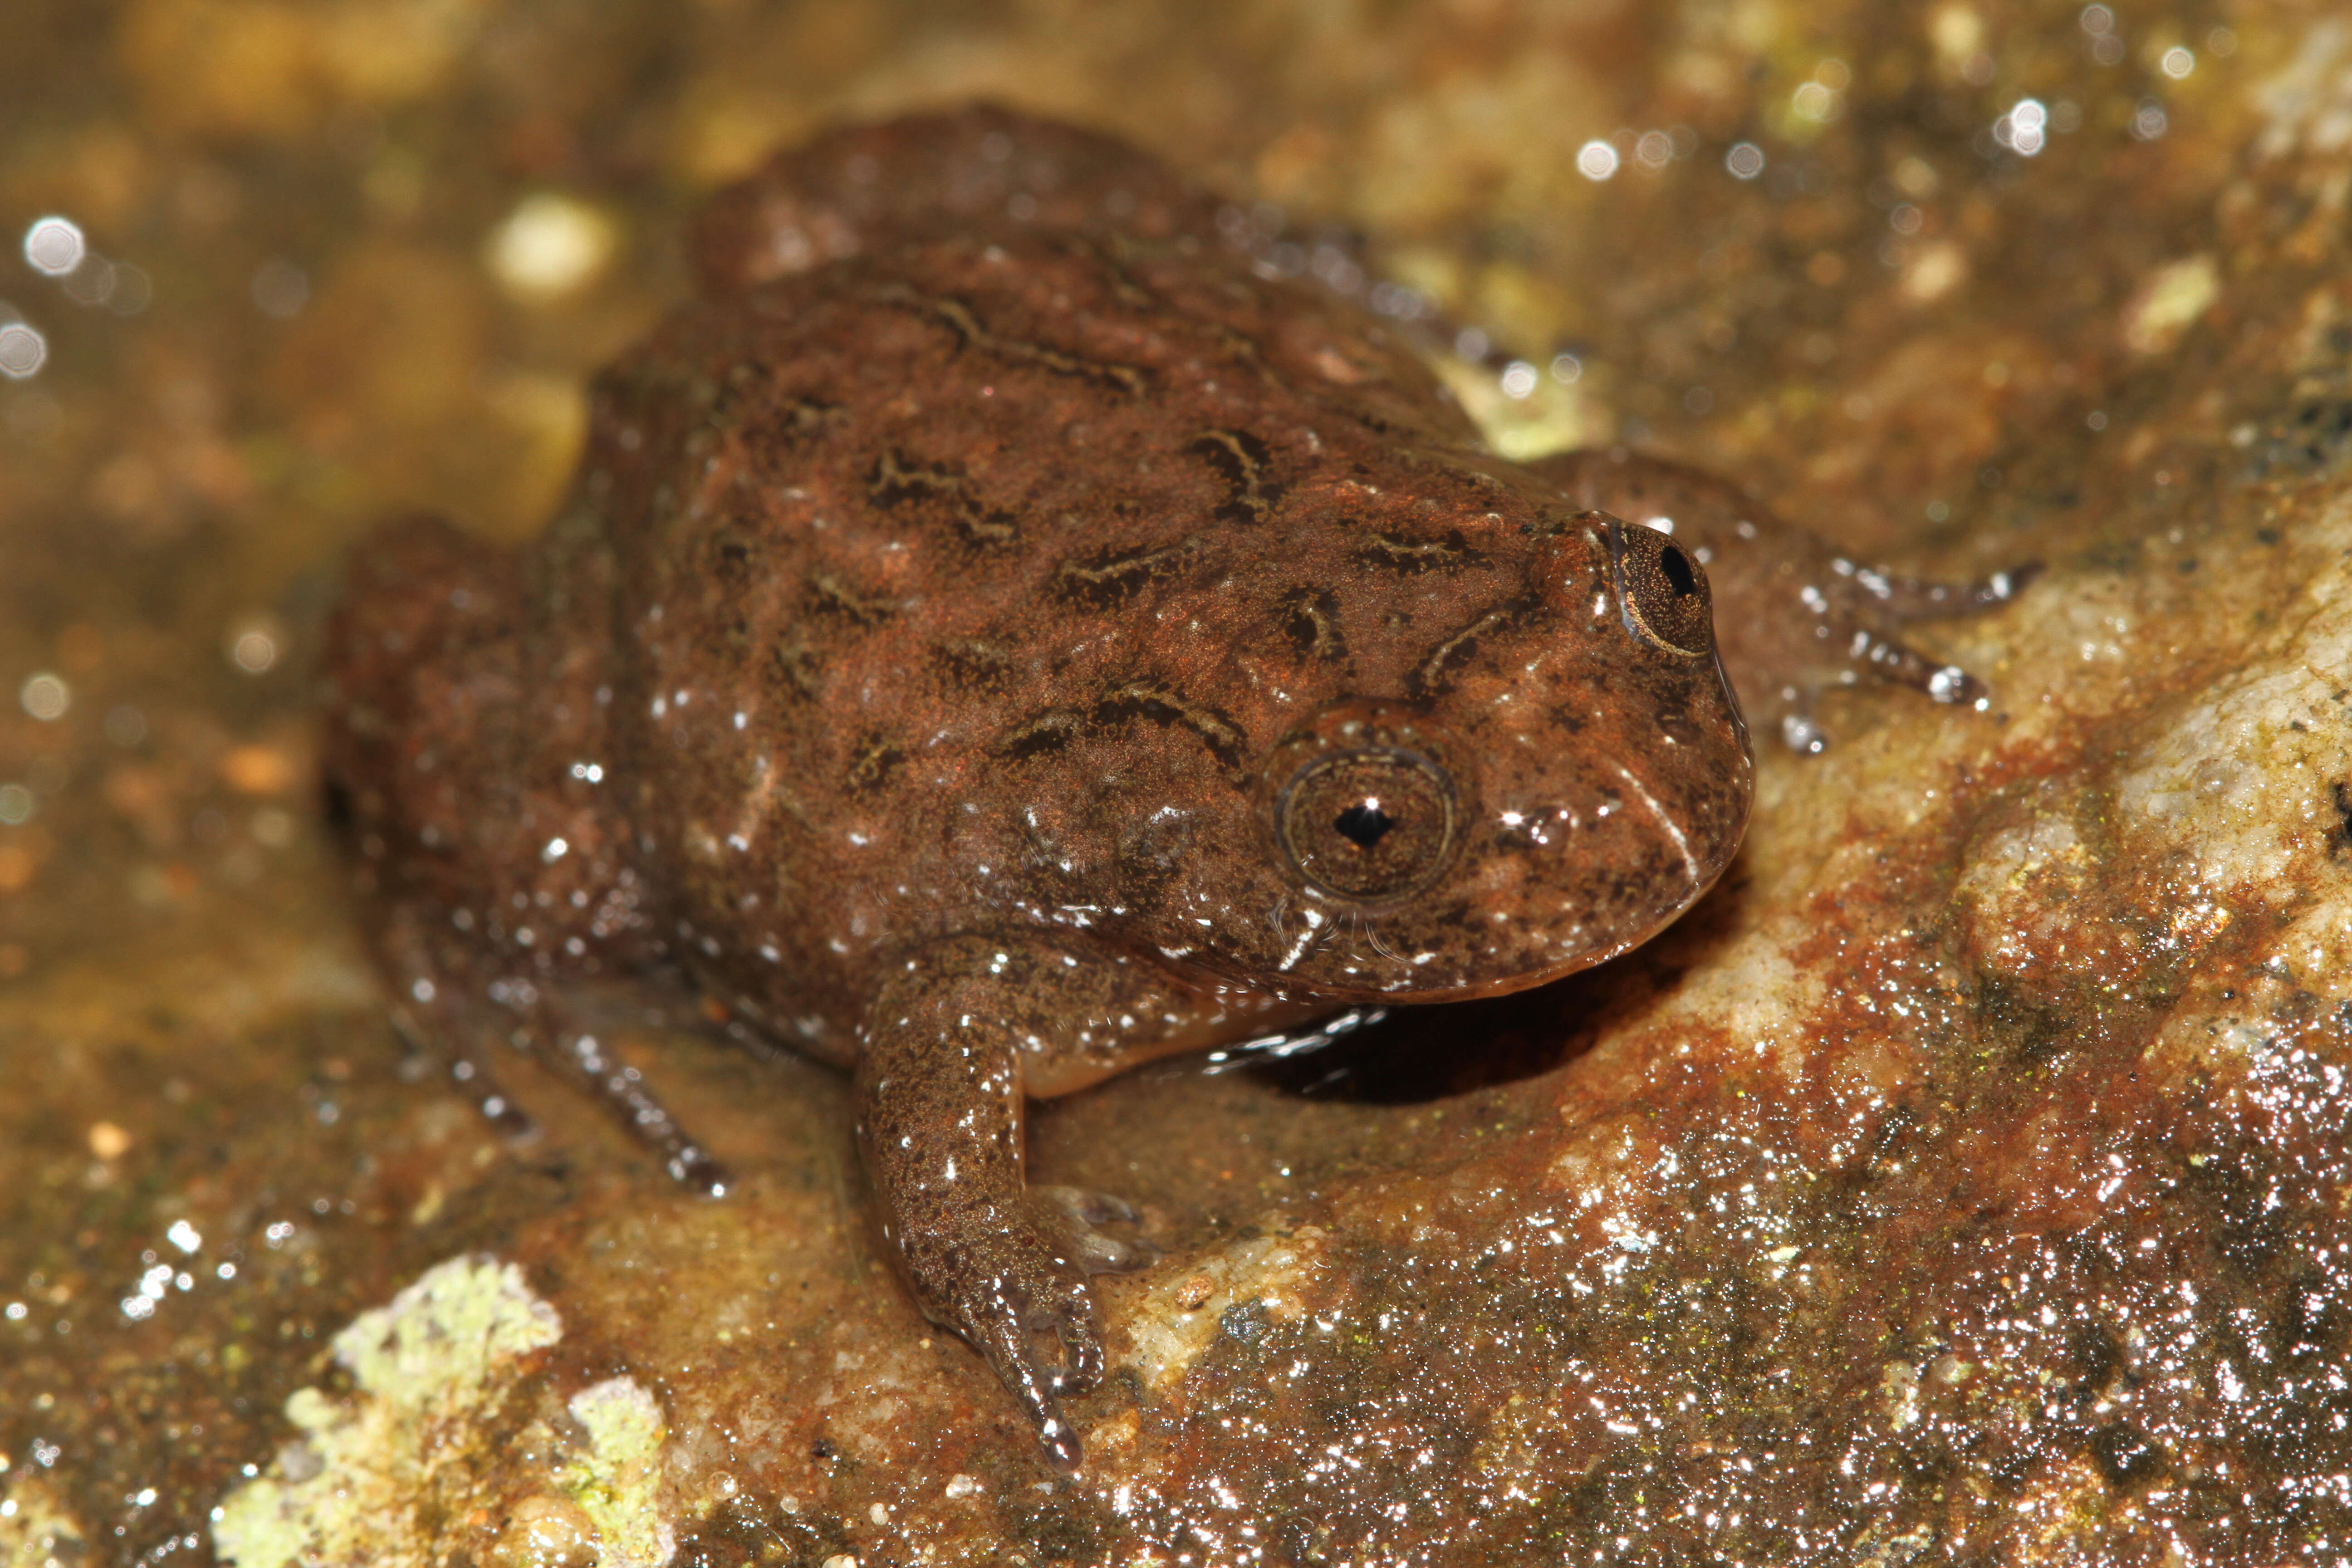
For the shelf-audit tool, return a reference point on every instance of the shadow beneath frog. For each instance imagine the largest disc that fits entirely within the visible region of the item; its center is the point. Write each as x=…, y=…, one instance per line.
x=1417, y=1054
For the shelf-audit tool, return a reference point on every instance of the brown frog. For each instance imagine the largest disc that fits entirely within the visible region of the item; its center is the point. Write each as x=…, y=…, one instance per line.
x=1000, y=634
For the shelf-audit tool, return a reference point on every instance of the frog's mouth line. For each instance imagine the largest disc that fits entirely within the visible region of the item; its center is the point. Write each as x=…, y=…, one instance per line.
x=1673, y=830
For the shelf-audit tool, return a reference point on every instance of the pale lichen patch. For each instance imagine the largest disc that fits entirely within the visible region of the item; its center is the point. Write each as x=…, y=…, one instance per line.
x=618, y=1480
x=385, y=1475
x=35, y=1531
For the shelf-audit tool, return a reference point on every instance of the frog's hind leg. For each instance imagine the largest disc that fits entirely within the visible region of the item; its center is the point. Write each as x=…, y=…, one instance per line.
x=493, y=869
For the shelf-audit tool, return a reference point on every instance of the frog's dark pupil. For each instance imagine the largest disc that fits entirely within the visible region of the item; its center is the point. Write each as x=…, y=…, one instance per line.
x=1364, y=824
x=1678, y=571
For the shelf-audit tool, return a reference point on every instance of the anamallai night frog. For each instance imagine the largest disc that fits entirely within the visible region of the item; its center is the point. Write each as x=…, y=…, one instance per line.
x=999, y=636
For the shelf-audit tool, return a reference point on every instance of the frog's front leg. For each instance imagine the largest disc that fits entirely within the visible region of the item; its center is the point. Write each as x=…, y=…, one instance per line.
x=1794, y=616
x=956, y=1032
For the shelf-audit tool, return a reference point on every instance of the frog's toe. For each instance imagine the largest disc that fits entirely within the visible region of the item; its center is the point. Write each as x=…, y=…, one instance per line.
x=1018, y=1293
x=1078, y=1214
x=694, y=1169
x=1893, y=661
x=1014, y=1353
x=1906, y=666
x=1020, y=1330
x=1085, y=1206
x=1924, y=599
x=498, y=1107
x=1082, y=1351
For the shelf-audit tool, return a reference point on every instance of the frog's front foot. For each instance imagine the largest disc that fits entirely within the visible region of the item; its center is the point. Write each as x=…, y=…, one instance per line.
x=1009, y=1276
x=1794, y=616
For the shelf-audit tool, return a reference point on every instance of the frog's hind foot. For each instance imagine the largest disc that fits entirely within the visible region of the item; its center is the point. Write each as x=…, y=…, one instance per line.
x=582, y=1059
x=449, y=1012
x=1868, y=609
x=620, y=1089
x=1882, y=600
x=1905, y=599
x=1081, y=1213
x=474, y=1080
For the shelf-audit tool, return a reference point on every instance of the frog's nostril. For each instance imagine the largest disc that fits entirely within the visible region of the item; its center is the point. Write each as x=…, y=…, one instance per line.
x=1364, y=824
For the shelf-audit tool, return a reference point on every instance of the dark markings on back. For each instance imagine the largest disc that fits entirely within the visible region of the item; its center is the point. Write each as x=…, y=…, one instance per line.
x=1242, y=461
x=971, y=333
x=1124, y=286
x=1163, y=705
x=829, y=595
x=734, y=553
x=1106, y=580
x=1550, y=525
x=970, y=665
x=898, y=479
x=1435, y=672
x=807, y=416
x=794, y=418
x=796, y=665
x=1398, y=554
x=1055, y=729
x=1246, y=350
x=1043, y=735
x=1310, y=617
x=872, y=763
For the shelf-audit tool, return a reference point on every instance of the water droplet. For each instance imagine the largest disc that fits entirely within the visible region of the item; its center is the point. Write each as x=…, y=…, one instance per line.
x=54, y=245
x=45, y=697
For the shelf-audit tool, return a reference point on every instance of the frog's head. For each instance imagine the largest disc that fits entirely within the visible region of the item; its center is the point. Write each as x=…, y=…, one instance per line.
x=1546, y=786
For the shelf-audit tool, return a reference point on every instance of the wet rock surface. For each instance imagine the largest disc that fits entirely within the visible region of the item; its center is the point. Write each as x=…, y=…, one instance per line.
x=1964, y=1181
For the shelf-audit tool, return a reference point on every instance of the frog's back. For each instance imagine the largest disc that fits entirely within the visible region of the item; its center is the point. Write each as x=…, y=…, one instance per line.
x=978, y=167
x=981, y=568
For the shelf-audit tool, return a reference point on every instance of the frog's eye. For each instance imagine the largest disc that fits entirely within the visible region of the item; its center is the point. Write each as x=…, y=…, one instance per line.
x=1663, y=591
x=1368, y=826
